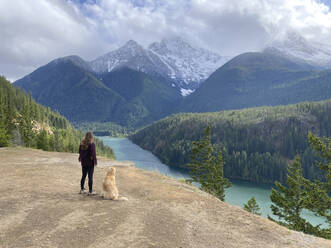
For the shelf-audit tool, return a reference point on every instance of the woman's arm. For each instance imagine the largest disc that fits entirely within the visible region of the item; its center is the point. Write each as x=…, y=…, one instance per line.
x=79, y=154
x=94, y=154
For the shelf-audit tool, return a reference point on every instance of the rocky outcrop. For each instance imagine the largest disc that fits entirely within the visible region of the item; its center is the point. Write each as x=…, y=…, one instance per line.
x=40, y=207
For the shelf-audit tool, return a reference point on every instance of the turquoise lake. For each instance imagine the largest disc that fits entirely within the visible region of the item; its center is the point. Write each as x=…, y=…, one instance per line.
x=238, y=194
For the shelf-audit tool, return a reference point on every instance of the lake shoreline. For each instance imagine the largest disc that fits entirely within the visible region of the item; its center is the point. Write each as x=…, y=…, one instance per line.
x=238, y=195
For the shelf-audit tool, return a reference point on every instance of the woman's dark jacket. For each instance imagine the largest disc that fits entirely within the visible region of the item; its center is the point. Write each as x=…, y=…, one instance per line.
x=88, y=157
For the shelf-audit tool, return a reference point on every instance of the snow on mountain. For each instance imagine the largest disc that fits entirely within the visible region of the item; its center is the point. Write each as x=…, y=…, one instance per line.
x=187, y=63
x=297, y=47
x=131, y=55
x=186, y=92
x=177, y=61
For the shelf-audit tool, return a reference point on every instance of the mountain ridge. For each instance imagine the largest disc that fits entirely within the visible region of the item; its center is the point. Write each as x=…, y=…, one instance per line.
x=247, y=80
x=258, y=79
x=65, y=85
x=175, y=60
x=296, y=47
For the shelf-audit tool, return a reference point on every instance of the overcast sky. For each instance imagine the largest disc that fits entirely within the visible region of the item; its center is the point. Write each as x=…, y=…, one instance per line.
x=32, y=33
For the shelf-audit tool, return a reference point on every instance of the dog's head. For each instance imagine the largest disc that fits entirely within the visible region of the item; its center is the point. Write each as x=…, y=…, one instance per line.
x=111, y=172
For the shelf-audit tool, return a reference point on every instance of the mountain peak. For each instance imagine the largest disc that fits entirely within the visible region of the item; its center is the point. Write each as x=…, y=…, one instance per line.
x=175, y=45
x=295, y=37
x=190, y=65
x=131, y=44
x=295, y=46
x=176, y=42
x=72, y=58
x=175, y=59
x=130, y=51
x=76, y=60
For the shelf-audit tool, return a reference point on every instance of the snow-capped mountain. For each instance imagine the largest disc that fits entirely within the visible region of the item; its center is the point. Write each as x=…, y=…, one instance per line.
x=131, y=55
x=183, y=65
x=296, y=47
x=186, y=63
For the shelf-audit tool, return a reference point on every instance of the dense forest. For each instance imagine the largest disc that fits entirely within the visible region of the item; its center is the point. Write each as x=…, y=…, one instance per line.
x=104, y=128
x=256, y=143
x=24, y=122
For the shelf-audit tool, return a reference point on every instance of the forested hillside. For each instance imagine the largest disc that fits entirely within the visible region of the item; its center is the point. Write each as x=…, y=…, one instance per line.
x=147, y=98
x=24, y=122
x=256, y=143
x=104, y=128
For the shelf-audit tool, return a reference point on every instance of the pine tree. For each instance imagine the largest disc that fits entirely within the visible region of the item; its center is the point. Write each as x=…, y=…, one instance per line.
x=252, y=206
x=20, y=117
x=207, y=168
x=4, y=130
x=26, y=126
x=43, y=141
x=4, y=136
x=289, y=201
x=319, y=192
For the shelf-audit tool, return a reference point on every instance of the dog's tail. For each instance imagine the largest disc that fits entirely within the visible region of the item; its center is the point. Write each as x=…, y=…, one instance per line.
x=122, y=198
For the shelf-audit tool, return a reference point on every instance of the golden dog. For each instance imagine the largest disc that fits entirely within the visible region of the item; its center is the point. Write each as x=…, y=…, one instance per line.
x=110, y=190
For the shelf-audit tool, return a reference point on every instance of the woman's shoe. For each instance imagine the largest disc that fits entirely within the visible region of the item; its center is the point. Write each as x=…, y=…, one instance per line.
x=92, y=193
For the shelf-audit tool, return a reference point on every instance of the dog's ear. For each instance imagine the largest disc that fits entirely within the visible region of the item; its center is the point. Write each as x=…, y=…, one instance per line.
x=111, y=171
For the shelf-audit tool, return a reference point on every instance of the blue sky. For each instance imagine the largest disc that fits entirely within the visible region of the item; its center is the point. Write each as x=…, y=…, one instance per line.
x=35, y=32
x=327, y=2
x=141, y=3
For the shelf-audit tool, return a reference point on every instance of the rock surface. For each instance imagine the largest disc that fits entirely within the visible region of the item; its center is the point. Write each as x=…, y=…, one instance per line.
x=40, y=207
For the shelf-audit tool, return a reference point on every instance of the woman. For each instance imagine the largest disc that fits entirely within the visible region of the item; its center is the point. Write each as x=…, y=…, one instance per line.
x=88, y=159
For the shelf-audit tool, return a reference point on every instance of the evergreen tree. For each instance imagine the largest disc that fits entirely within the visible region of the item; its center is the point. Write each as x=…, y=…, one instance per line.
x=43, y=141
x=289, y=201
x=22, y=117
x=319, y=192
x=26, y=126
x=206, y=168
x=252, y=206
x=4, y=130
x=4, y=136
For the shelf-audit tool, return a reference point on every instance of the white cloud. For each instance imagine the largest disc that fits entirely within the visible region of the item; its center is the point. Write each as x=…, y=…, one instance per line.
x=35, y=32
x=229, y=27
x=243, y=25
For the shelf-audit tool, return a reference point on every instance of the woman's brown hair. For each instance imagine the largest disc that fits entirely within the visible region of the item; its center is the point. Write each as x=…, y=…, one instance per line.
x=87, y=141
